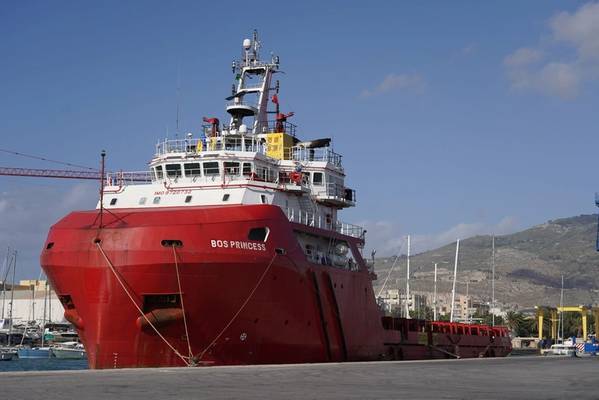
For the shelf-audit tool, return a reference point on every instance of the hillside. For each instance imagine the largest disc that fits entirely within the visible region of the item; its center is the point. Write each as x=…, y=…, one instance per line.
x=528, y=265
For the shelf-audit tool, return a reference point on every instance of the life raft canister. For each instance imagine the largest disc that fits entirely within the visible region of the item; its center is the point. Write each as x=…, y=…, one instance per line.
x=295, y=177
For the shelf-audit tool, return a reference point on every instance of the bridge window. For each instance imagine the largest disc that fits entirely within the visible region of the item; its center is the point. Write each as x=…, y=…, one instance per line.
x=211, y=168
x=173, y=170
x=192, y=169
x=317, y=179
x=247, y=168
x=159, y=173
x=232, y=168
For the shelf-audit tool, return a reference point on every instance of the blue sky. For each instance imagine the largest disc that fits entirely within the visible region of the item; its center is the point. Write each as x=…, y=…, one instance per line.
x=454, y=118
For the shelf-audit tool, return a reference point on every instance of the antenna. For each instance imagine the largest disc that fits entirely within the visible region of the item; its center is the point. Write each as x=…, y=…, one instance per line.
x=178, y=95
x=103, y=155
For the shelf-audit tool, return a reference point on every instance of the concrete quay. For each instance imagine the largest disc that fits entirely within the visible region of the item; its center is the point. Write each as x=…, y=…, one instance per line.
x=506, y=378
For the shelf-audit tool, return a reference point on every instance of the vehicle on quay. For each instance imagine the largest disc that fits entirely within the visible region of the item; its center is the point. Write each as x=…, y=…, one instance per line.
x=231, y=250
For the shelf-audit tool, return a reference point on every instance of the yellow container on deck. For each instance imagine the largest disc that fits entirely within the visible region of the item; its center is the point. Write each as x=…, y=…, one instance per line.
x=276, y=145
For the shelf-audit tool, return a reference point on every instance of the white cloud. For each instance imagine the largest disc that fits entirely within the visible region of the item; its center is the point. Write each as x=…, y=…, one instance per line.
x=396, y=82
x=581, y=29
x=523, y=56
x=560, y=75
x=471, y=48
x=560, y=79
x=389, y=238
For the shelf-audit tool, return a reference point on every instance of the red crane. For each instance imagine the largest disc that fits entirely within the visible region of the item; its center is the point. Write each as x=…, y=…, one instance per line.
x=73, y=174
x=83, y=173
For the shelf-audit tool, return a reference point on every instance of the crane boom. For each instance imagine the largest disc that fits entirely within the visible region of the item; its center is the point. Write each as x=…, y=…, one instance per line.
x=73, y=174
x=50, y=173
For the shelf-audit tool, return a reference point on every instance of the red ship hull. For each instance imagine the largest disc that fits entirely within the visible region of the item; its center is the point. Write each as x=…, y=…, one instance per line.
x=244, y=302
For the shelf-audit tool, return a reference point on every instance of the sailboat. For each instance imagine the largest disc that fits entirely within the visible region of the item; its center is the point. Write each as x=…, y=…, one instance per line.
x=34, y=352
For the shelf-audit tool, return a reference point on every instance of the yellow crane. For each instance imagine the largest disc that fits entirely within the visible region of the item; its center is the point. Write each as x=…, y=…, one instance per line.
x=552, y=314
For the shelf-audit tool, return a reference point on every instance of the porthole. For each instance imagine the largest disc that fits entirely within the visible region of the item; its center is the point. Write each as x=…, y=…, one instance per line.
x=226, y=197
x=113, y=201
x=188, y=199
x=263, y=198
x=156, y=200
x=142, y=200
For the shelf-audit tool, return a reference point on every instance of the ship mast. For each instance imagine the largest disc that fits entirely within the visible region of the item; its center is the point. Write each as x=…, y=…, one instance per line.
x=251, y=94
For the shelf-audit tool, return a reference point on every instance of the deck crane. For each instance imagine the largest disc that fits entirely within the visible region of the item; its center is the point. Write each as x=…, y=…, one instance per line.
x=74, y=174
x=82, y=172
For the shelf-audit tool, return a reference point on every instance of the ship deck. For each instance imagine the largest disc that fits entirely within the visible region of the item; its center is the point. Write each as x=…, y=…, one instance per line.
x=499, y=378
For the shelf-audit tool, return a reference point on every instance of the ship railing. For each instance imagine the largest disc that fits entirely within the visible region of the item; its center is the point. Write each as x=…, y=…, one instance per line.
x=317, y=221
x=122, y=178
x=340, y=192
x=192, y=146
x=350, y=229
x=235, y=103
x=279, y=127
x=335, y=192
x=304, y=154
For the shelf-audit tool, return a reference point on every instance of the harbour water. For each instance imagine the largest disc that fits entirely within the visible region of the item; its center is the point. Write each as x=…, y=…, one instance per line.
x=43, y=364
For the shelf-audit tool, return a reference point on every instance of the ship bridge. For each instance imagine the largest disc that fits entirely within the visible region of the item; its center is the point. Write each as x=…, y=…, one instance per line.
x=250, y=159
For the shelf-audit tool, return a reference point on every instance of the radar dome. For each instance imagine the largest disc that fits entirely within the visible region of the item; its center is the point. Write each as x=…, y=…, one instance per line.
x=247, y=43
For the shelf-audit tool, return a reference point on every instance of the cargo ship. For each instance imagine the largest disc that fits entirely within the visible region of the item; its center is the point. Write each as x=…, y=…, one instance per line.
x=229, y=250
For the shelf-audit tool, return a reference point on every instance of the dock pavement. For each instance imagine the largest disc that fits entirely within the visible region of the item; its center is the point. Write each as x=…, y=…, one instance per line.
x=501, y=378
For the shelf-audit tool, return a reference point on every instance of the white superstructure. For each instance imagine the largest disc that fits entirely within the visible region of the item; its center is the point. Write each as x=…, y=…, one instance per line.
x=250, y=160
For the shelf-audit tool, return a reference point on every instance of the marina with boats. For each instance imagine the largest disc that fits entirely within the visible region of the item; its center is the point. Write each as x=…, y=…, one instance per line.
x=22, y=335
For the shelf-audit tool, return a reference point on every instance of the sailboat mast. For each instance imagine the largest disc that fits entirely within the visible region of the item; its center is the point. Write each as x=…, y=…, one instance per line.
x=45, y=306
x=435, y=295
x=561, y=313
x=455, y=272
x=493, y=280
x=12, y=294
x=408, y=281
x=5, y=268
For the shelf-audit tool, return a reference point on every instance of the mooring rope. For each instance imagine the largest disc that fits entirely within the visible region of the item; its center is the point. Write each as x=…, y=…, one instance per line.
x=182, y=305
x=120, y=281
x=198, y=358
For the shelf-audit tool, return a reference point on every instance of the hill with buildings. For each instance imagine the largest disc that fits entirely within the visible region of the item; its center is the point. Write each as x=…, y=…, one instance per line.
x=528, y=266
